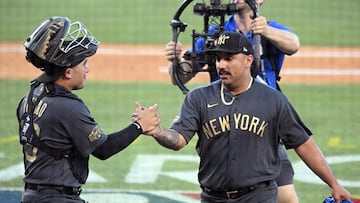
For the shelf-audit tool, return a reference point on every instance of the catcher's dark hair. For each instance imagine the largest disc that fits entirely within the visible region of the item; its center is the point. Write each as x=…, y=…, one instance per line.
x=49, y=68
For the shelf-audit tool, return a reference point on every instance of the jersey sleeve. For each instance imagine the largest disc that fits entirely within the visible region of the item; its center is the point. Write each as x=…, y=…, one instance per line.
x=293, y=131
x=85, y=132
x=187, y=121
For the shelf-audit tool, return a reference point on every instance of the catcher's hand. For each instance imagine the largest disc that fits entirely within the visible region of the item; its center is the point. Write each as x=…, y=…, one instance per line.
x=173, y=50
x=147, y=118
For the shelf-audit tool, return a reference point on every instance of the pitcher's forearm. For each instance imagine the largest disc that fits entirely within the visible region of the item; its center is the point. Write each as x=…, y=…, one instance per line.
x=169, y=138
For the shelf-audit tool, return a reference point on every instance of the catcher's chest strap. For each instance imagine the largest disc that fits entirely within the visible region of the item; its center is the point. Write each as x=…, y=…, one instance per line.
x=28, y=135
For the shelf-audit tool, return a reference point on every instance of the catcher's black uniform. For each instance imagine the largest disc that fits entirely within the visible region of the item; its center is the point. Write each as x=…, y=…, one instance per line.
x=56, y=164
x=239, y=138
x=64, y=123
x=56, y=129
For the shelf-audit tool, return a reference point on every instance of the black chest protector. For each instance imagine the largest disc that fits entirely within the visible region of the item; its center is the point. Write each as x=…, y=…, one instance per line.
x=29, y=137
x=27, y=130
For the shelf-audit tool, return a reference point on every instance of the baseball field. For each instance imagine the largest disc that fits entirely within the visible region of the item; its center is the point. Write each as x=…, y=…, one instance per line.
x=322, y=81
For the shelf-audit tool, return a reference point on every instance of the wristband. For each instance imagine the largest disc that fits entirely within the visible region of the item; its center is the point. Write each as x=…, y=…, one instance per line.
x=138, y=127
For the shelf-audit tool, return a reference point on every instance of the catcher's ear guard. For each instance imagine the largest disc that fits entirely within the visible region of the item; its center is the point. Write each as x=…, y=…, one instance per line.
x=332, y=200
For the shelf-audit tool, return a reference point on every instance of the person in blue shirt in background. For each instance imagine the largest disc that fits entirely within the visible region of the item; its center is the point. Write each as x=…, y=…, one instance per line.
x=277, y=41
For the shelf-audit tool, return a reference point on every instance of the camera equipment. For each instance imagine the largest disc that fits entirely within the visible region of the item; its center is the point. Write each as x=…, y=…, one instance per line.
x=213, y=18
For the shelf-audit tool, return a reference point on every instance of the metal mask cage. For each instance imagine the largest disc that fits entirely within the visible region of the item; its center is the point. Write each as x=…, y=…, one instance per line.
x=77, y=35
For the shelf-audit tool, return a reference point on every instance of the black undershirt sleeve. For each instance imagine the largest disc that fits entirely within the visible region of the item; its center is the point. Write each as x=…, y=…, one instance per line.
x=118, y=141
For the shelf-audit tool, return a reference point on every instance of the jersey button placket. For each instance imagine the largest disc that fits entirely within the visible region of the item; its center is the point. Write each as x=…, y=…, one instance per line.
x=232, y=144
x=233, y=136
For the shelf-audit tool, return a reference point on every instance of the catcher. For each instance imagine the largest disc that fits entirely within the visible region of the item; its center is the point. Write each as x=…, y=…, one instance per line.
x=56, y=130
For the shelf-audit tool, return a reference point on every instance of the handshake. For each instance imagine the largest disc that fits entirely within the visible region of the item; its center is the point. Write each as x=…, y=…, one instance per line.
x=147, y=118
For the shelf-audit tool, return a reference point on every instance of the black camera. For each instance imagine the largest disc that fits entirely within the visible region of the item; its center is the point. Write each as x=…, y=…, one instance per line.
x=215, y=8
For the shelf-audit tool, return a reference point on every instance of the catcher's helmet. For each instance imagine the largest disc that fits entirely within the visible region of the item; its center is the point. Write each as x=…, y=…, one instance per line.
x=59, y=43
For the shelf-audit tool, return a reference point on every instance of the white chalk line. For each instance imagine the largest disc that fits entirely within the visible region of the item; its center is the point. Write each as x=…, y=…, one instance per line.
x=160, y=52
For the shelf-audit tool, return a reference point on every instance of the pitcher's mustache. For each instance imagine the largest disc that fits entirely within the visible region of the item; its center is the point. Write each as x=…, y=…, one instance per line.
x=223, y=72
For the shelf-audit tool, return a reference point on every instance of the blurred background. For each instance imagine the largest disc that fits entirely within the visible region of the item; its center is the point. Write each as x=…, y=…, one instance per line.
x=322, y=81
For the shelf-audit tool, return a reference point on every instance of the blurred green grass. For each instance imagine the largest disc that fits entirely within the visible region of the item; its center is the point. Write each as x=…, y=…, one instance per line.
x=332, y=23
x=331, y=111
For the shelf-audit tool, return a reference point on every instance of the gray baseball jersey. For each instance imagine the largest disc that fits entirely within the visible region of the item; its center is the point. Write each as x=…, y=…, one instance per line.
x=238, y=135
x=61, y=122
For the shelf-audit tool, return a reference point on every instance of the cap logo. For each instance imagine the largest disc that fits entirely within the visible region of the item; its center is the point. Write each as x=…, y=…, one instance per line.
x=222, y=39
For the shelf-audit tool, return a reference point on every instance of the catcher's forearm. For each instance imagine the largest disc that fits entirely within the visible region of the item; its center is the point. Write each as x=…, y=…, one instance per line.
x=169, y=138
x=117, y=141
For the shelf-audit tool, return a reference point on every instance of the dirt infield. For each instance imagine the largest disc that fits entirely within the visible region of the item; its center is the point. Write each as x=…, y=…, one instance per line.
x=147, y=63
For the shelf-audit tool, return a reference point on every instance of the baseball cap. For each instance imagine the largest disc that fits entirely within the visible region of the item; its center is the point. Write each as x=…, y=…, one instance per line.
x=232, y=43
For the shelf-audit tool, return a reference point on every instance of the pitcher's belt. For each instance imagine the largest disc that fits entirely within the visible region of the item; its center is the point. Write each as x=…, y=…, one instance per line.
x=236, y=193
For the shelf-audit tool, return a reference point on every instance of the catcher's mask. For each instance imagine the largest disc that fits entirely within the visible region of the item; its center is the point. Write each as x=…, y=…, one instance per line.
x=58, y=43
